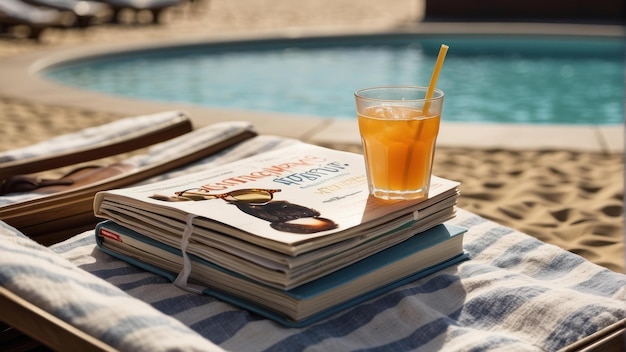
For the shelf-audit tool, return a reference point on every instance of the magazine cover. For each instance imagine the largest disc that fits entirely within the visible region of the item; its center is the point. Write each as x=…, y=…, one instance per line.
x=292, y=200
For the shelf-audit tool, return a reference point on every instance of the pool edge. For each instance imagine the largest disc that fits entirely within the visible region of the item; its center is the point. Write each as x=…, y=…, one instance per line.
x=21, y=71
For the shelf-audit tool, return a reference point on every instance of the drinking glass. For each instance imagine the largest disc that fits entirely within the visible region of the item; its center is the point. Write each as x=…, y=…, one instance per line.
x=399, y=127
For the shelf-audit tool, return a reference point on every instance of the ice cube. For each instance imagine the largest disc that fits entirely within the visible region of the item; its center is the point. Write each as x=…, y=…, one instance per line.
x=389, y=112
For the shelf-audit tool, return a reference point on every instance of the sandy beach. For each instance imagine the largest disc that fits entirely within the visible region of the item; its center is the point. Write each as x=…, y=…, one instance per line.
x=571, y=199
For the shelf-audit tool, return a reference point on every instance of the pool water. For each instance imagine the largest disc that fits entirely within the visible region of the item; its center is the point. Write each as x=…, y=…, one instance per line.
x=540, y=80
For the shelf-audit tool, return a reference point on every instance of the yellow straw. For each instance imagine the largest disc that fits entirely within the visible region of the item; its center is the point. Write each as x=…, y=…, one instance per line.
x=429, y=94
x=435, y=76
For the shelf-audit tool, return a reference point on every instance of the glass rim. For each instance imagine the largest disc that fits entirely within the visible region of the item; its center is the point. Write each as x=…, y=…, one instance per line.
x=438, y=93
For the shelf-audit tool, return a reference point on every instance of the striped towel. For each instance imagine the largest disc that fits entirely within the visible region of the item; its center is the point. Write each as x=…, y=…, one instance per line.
x=515, y=293
x=95, y=306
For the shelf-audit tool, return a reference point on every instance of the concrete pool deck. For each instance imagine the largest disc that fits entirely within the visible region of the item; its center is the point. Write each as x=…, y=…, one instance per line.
x=25, y=83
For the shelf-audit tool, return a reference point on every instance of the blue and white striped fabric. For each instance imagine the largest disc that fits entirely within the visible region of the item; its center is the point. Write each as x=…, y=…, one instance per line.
x=515, y=293
x=96, y=307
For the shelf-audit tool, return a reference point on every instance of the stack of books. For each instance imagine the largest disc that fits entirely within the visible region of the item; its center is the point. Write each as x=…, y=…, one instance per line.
x=291, y=234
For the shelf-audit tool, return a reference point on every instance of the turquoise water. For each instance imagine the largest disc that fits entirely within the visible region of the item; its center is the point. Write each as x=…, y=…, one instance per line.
x=503, y=79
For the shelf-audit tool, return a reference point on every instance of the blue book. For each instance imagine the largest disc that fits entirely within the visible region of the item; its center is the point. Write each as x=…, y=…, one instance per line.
x=420, y=255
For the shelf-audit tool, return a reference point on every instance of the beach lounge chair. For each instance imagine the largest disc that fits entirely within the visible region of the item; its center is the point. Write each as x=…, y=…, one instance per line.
x=85, y=12
x=154, y=6
x=17, y=13
x=67, y=202
x=515, y=293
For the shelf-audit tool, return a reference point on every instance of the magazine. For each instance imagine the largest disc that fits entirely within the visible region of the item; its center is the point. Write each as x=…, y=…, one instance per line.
x=284, y=217
x=314, y=197
x=418, y=256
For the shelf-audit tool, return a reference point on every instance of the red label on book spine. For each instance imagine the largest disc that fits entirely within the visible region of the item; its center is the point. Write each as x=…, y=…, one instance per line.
x=109, y=234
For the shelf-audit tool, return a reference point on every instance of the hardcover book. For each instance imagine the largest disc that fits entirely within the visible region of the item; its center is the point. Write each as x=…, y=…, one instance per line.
x=422, y=254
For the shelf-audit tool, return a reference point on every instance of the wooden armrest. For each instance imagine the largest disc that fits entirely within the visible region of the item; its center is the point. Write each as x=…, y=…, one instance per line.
x=45, y=327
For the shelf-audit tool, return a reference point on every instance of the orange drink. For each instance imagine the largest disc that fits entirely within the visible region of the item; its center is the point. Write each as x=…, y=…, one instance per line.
x=399, y=130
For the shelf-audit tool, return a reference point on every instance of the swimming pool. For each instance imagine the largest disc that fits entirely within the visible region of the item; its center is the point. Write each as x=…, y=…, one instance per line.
x=495, y=78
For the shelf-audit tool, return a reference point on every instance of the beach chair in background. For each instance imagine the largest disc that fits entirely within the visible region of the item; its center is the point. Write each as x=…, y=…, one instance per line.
x=17, y=13
x=66, y=203
x=84, y=11
x=155, y=7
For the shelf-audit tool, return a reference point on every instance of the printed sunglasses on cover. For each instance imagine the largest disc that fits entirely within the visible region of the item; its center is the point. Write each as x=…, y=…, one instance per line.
x=254, y=196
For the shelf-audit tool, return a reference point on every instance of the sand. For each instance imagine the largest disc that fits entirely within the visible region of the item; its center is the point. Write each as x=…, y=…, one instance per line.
x=570, y=199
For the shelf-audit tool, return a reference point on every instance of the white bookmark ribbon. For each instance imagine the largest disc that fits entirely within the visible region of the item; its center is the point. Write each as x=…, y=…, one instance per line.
x=183, y=275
